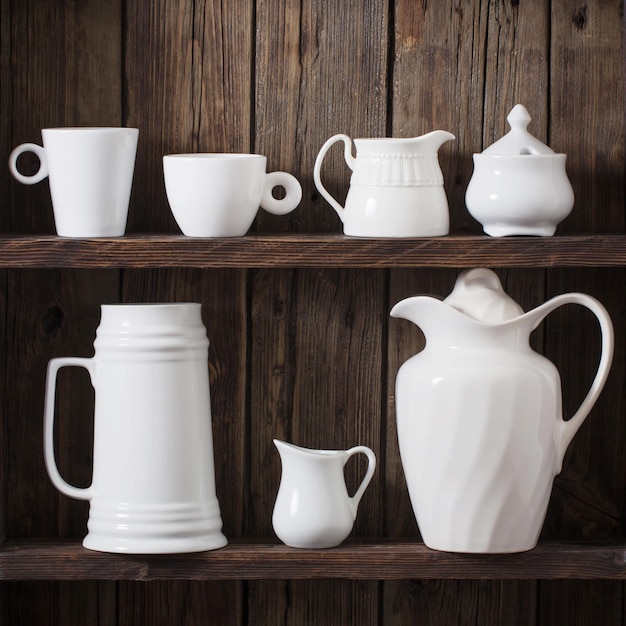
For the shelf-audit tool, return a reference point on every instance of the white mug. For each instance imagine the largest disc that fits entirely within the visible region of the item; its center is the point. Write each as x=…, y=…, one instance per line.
x=219, y=195
x=90, y=172
x=153, y=482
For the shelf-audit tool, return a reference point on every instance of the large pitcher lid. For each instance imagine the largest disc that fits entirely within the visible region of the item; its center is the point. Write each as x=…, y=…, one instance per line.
x=478, y=293
x=518, y=140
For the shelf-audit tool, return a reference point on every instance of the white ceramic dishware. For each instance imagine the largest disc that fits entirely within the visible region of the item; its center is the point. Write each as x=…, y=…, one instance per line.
x=313, y=508
x=479, y=415
x=219, y=195
x=153, y=482
x=90, y=172
x=396, y=187
x=519, y=185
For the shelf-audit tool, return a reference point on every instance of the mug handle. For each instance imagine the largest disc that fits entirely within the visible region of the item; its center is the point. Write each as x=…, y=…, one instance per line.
x=570, y=427
x=51, y=379
x=293, y=193
x=371, y=466
x=40, y=174
x=317, y=176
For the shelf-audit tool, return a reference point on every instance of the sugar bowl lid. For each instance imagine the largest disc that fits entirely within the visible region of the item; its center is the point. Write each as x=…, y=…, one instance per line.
x=518, y=140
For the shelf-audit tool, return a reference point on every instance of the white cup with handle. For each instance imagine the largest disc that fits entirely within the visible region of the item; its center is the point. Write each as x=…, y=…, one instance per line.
x=90, y=172
x=219, y=194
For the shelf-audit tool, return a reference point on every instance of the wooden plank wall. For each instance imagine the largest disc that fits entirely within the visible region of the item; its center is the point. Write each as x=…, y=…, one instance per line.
x=304, y=355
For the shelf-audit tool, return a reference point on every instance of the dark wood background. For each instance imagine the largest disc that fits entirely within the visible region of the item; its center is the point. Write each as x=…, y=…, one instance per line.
x=302, y=354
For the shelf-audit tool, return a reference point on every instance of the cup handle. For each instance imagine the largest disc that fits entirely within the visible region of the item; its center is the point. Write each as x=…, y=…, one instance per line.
x=293, y=193
x=317, y=175
x=371, y=466
x=51, y=379
x=41, y=173
x=570, y=427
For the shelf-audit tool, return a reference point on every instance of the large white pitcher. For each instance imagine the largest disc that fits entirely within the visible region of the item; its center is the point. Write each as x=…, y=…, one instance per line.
x=479, y=413
x=153, y=483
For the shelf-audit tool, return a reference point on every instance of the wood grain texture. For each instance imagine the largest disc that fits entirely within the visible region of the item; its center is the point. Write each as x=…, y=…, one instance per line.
x=321, y=69
x=188, y=89
x=438, y=82
x=313, y=251
x=301, y=344
x=356, y=559
x=163, y=603
x=57, y=317
x=460, y=602
x=586, y=41
x=320, y=326
x=63, y=69
x=61, y=66
x=319, y=340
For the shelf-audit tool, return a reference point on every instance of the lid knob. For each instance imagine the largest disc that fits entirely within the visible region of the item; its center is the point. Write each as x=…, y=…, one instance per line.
x=518, y=140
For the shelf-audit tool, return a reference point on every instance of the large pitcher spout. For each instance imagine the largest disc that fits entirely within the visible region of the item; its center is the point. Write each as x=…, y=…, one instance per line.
x=424, y=311
x=477, y=301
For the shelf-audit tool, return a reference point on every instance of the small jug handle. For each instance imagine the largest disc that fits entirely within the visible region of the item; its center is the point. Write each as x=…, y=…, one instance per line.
x=569, y=428
x=350, y=160
x=371, y=466
x=51, y=380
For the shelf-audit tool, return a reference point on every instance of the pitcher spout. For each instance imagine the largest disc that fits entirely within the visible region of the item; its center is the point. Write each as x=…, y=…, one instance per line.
x=435, y=139
x=426, y=312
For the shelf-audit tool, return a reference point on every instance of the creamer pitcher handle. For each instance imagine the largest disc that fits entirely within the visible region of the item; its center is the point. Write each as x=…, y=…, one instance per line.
x=569, y=428
x=350, y=160
x=51, y=379
x=371, y=466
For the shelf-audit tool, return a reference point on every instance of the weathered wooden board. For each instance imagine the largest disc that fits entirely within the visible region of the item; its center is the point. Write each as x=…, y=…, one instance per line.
x=586, y=94
x=306, y=354
x=61, y=66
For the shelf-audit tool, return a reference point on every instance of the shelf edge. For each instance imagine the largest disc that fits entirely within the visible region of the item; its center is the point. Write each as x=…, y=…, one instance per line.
x=376, y=560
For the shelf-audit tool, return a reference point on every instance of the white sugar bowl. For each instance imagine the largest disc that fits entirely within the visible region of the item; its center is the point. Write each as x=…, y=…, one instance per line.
x=519, y=185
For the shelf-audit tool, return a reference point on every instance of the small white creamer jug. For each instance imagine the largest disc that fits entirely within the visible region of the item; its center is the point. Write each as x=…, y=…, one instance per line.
x=313, y=508
x=153, y=482
x=396, y=187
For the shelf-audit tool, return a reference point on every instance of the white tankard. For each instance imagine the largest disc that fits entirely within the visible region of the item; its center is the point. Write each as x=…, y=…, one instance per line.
x=153, y=483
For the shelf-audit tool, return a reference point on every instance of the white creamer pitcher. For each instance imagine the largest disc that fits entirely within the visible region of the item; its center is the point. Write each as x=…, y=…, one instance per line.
x=313, y=508
x=479, y=414
x=153, y=482
x=396, y=187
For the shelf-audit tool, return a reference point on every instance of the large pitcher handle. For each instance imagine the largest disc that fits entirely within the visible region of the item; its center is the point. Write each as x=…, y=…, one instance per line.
x=569, y=428
x=371, y=466
x=350, y=160
x=51, y=380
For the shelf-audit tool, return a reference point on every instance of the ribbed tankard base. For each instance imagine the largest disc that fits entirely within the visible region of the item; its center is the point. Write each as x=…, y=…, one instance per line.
x=154, y=529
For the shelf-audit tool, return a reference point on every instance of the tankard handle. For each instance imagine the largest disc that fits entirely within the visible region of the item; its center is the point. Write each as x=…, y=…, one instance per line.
x=569, y=428
x=51, y=380
x=350, y=160
x=371, y=466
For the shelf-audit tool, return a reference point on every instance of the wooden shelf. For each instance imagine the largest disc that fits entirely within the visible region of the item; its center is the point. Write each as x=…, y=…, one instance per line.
x=151, y=251
x=376, y=560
